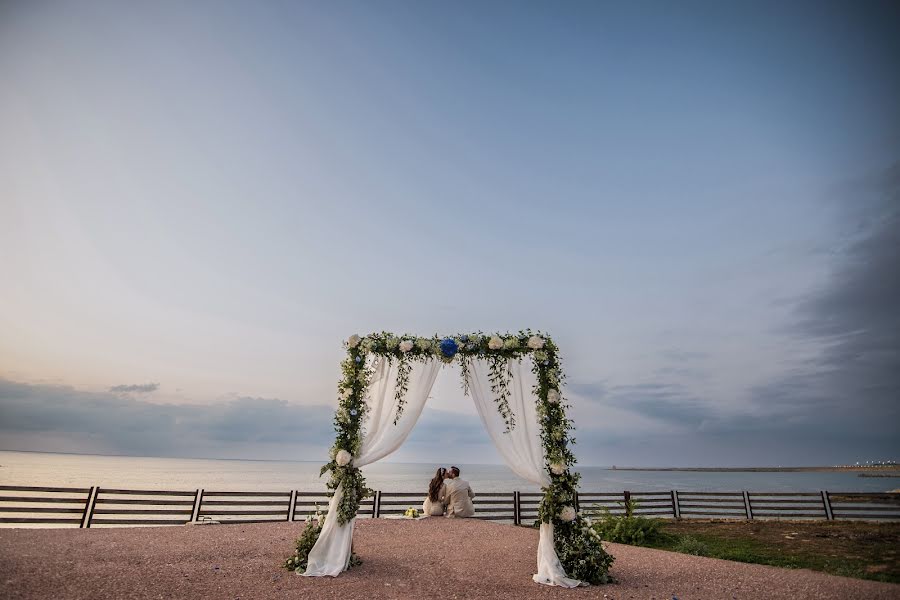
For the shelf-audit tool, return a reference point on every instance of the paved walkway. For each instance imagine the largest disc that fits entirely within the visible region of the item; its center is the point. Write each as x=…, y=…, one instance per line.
x=429, y=558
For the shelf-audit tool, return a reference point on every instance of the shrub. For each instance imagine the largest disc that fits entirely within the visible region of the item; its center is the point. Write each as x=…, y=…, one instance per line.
x=628, y=529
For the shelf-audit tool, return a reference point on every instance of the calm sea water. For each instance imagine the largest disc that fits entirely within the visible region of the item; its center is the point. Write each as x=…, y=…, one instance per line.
x=46, y=469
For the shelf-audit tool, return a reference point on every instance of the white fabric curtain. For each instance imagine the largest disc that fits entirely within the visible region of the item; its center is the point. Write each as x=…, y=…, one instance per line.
x=521, y=449
x=331, y=553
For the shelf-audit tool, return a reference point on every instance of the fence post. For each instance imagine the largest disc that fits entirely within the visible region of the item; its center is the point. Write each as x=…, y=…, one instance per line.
x=88, y=506
x=292, y=506
x=377, y=509
x=627, y=503
x=89, y=512
x=676, y=504
x=826, y=502
x=198, y=499
x=517, y=518
x=747, y=507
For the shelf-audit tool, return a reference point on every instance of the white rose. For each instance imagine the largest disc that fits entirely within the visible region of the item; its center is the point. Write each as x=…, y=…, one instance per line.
x=353, y=341
x=347, y=393
x=535, y=342
x=567, y=514
x=406, y=345
x=342, y=458
x=553, y=397
x=557, y=468
x=495, y=343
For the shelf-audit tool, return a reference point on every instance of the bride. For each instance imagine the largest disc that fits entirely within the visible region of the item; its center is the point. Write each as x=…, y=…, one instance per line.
x=437, y=495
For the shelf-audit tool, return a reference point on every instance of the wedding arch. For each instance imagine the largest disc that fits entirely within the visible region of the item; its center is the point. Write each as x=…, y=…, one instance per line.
x=385, y=382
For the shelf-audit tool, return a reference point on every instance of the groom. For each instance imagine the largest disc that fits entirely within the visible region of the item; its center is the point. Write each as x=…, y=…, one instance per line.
x=459, y=495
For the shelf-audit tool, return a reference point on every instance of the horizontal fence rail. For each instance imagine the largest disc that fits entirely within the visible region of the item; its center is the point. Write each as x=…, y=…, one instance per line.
x=139, y=507
x=90, y=507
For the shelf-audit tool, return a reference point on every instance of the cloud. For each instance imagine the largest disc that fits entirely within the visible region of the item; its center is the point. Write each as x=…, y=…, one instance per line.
x=592, y=391
x=244, y=427
x=140, y=388
x=669, y=402
x=843, y=400
x=855, y=320
x=835, y=403
x=64, y=419
x=680, y=355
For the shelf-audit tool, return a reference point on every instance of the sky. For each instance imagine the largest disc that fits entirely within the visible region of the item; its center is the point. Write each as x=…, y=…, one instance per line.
x=699, y=201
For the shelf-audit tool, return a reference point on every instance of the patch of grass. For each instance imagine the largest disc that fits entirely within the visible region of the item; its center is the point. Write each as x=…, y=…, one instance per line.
x=849, y=549
x=688, y=544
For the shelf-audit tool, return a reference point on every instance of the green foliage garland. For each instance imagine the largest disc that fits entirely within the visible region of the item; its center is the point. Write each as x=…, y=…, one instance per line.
x=577, y=544
x=499, y=376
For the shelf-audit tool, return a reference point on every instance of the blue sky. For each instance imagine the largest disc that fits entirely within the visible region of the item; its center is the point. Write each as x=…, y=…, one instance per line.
x=199, y=201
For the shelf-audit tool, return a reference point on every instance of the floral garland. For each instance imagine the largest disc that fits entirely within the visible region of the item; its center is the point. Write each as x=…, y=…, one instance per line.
x=579, y=550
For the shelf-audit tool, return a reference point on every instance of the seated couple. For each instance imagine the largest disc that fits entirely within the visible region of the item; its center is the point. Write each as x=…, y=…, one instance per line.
x=448, y=493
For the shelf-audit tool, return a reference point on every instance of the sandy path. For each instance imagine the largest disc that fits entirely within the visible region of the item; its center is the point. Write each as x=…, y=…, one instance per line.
x=430, y=558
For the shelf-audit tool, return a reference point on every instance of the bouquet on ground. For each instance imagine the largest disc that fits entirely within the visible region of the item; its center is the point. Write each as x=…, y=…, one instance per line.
x=411, y=512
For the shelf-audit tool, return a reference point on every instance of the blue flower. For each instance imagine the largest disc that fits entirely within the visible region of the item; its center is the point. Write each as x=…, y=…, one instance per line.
x=358, y=359
x=449, y=347
x=352, y=412
x=464, y=338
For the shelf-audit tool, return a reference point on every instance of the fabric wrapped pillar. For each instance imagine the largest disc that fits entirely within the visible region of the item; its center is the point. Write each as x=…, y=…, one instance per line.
x=331, y=553
x=522, y=450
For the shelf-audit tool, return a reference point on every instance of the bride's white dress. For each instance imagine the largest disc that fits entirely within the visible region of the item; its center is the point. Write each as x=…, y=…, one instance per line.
x=435, y=509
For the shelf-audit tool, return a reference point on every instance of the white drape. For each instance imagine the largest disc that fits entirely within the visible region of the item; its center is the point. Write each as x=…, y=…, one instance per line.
x=521, y=449
x=331, y=553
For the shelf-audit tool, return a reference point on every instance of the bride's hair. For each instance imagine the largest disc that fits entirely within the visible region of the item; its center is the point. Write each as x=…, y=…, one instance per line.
x=434, y=488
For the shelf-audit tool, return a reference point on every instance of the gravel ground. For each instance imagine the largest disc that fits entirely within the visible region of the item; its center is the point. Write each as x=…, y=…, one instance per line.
x=428, y=558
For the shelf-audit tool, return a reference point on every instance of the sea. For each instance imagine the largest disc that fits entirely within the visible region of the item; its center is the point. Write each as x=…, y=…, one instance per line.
x=180, y=474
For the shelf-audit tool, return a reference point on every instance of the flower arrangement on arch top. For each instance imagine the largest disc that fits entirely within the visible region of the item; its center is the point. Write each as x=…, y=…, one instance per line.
x=449, y=347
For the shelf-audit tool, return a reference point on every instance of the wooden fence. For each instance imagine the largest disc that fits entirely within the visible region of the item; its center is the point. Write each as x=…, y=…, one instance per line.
x=99, y=507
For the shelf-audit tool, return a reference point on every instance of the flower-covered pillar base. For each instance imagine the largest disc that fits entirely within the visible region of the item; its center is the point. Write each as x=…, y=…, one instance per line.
x=331, y=554
x=550, y=570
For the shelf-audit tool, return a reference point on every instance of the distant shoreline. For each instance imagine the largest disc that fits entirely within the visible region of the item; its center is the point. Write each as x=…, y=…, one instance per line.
x=849, y=469
x=852, y=469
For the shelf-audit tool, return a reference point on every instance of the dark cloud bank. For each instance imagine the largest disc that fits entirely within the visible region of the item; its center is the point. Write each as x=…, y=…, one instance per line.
x=61, y=418
x=853, y=387
x=111, y=422
x=842, y=405
x=140, y=388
